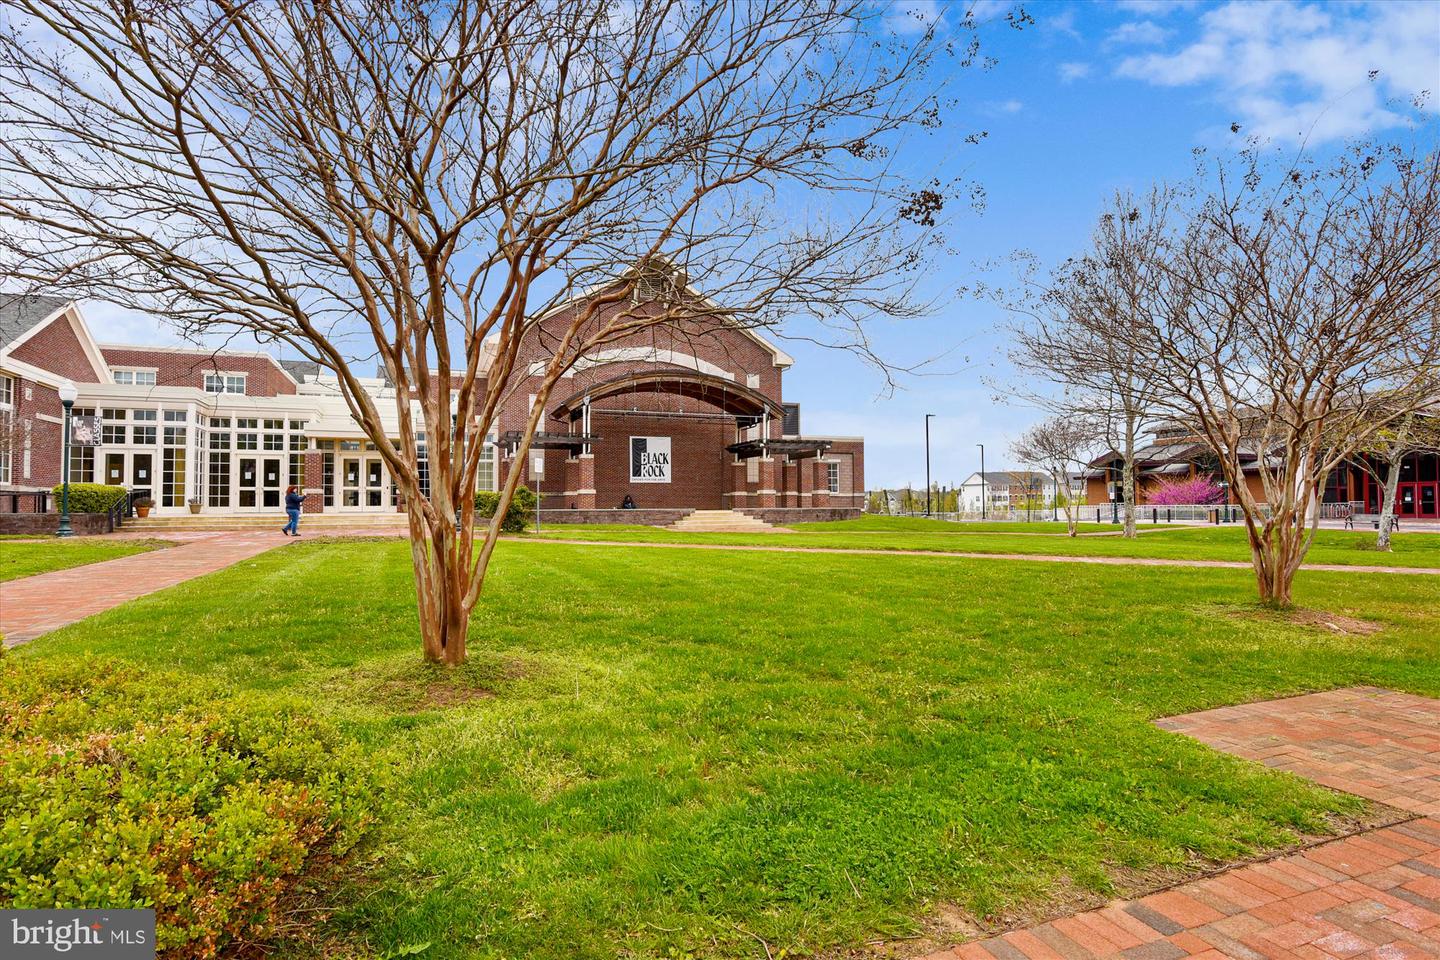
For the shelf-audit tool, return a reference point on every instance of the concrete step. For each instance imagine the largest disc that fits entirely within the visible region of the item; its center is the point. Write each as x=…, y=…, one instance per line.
x=724, y=521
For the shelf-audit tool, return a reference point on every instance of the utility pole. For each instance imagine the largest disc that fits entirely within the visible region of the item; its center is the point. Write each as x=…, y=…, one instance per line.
x=927, y=463
x=983, y=498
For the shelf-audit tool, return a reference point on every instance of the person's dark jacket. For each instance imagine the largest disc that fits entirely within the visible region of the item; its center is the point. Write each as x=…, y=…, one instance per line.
x=294, y=501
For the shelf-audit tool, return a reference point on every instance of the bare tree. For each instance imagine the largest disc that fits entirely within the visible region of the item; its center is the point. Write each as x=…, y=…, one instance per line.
x=1075, y=324
x=1299, y=308
x=1057, y=446
x=1417, y=431
x=417, y=182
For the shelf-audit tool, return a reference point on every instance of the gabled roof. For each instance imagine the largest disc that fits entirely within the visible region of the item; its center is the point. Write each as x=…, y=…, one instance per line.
x=23, y=316
x=19, y=313
x=778, y=357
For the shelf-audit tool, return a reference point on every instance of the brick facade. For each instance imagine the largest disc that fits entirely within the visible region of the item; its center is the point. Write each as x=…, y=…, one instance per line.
x=187, y=368
x=704, y=475
x=57, y=348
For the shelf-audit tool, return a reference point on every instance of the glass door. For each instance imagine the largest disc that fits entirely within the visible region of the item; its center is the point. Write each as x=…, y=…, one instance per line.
x=140, y=476
x=115, y=469
x=248, y=483
x=361, y=483
x=374, y=483
x=1429, y=492
x=348, y=496
x=270, y=483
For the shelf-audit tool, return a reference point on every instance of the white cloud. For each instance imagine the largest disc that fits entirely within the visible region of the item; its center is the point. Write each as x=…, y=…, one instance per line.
x=1070, y=72
x=1004, y=106
x=1141, y=32
x=1292, y=70
x=1153, y=8
x=1061, y=22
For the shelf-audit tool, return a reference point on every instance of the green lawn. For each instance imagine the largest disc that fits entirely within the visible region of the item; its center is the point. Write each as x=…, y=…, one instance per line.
x=27, y=558
x=1350, y=547
x=672, y=755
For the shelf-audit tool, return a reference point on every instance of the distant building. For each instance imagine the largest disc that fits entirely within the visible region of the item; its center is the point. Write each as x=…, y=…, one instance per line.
x=1175, y=453
x=1006, y=490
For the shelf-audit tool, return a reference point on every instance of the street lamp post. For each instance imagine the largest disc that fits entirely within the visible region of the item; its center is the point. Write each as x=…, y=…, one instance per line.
x=982, y=480
x=927, y=463
x=68, y=395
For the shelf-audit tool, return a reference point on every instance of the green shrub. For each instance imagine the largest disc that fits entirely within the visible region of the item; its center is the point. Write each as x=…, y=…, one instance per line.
x=520, y=515
x=90, y=497
x=119, y=790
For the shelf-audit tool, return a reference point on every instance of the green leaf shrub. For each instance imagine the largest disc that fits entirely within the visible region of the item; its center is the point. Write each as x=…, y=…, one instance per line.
x=90, y=497
x=518, y=517
x=122, y=789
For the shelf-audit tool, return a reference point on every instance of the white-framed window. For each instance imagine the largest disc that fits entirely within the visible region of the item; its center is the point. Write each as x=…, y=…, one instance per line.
x=133, y=378
x=7, y=408
x=224, y=383
x=832, y=477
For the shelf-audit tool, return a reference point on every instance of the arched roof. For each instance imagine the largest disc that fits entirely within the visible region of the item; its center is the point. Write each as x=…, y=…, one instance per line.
x=728, y=395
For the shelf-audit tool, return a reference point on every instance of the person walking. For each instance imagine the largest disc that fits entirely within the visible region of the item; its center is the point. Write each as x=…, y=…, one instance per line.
x=294, y=500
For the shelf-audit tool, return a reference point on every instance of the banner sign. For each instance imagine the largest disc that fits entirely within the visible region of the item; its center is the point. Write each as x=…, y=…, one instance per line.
x=649, y=459
x=84, y=431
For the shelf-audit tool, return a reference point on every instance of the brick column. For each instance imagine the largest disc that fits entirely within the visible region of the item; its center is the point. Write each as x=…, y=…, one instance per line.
x=765, y=495
x=580, y=473
x=738, y=495
x=314, y=482
x=806, y=479
x=789, y=485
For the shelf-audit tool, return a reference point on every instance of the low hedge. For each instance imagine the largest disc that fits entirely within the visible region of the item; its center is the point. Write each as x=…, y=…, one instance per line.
x=520, y=515
x=90, y=497
x=120, y=791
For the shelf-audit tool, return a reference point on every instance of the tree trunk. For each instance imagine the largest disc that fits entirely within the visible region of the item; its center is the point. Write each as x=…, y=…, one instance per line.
x=441, y=585
x=1127, y=478
x=1387, y=504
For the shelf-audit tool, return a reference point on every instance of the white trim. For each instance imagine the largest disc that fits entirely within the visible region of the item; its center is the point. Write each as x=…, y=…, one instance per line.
x=638, y=355
x=49, y=419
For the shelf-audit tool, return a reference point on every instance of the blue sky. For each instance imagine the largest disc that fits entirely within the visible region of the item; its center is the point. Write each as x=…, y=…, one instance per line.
x=1092, y=97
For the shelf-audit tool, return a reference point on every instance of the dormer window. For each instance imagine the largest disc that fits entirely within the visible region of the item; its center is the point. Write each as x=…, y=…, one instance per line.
x=225, y=383
x=133, y=378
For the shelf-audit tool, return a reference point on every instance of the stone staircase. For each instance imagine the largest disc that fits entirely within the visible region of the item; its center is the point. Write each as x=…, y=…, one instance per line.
x=724, y=521
x=317, y=524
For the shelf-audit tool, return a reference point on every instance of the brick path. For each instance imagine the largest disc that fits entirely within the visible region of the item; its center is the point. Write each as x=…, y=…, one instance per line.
x=1374, y=895
x=1376, y=743
x=32, y=606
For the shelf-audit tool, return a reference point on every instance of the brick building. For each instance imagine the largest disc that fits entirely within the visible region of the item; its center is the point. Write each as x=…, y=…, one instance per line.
x=1175, y=453
x=674, y=417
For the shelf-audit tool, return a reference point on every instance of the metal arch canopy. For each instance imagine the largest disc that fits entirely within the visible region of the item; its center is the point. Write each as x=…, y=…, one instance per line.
x=728, y=395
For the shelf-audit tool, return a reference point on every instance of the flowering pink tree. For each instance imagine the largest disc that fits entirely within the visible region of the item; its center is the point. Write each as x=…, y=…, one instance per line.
x=1198, y=489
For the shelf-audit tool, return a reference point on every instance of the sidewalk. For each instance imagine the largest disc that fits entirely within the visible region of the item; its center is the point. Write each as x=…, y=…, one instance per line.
x=32, y=606
x=1373, y=895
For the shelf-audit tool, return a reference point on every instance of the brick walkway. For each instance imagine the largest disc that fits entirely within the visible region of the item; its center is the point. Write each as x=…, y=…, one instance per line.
x=1374, y=895
x=1376, y=743
x=32, y=606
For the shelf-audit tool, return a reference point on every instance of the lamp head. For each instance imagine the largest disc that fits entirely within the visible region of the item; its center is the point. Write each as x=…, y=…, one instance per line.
x=68, y=393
